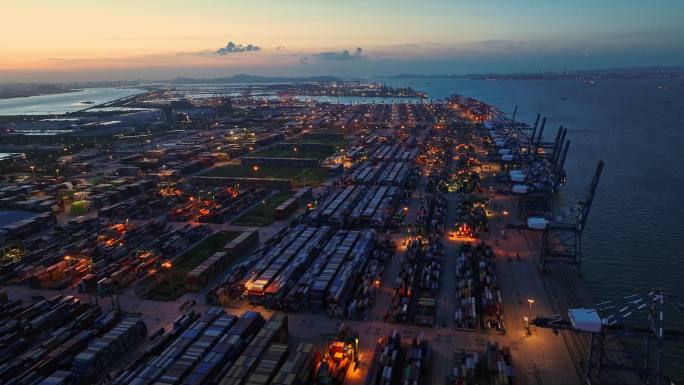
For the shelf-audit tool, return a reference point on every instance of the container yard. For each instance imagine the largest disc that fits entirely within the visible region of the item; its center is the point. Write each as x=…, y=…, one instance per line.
x=62, y=337
x=491, y=366
x=357, y=206
x=211, y=348
x=400, y=362
x=376, y=227
x=317, y=266
x=109, y=259
x=384, y=173
x=192, y=269
x=213, y=205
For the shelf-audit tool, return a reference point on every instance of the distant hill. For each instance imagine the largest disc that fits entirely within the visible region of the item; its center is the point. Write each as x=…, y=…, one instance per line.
x=246, y=78
x=607, y=73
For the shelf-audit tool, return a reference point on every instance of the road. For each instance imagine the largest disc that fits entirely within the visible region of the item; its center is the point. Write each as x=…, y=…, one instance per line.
x=541, y=358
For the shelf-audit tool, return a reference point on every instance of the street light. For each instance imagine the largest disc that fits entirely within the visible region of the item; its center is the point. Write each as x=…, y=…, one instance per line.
x=168, y=265
x=530, y=301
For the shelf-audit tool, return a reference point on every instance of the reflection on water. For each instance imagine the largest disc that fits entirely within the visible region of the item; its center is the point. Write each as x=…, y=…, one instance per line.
x=633, y=240
x=64, y=102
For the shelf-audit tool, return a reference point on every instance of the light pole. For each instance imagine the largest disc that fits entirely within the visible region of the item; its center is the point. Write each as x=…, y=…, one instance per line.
x=33, y=174
x=263, y=205
x=168, y=265
x=530, y=301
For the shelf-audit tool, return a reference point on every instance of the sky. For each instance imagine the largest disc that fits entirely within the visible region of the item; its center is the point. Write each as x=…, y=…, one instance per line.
x=66, y=40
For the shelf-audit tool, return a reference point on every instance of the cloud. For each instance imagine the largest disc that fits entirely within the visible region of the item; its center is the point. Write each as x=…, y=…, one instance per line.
x=233, y=48
x=341, y=55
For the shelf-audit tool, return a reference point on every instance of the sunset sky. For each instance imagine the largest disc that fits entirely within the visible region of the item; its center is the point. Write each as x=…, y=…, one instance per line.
x=160, y=39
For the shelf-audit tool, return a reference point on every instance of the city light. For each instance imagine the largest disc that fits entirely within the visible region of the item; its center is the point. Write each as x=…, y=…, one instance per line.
x=530, y=301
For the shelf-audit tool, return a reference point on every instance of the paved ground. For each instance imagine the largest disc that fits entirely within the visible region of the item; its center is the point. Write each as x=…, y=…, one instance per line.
x=542, y=358
x=539, y=359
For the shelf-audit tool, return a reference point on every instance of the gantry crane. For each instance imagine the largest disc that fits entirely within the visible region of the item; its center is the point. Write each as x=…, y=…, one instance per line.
x=547, y=155
x=555, y=152
x=561, y=239
x=612, y=358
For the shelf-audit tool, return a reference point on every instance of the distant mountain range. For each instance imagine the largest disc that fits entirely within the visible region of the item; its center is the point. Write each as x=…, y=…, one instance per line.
x=612, y=73
x=21, y=89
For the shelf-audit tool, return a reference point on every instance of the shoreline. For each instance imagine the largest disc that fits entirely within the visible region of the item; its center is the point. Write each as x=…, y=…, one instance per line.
x=30, y=94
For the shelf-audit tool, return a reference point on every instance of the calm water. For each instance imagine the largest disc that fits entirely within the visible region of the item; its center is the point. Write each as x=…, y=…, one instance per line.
x=62, y=103
x=634, y=232
x=633, y=240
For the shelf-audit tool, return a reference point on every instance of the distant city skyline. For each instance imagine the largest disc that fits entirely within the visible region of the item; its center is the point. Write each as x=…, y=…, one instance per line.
x=67, y=40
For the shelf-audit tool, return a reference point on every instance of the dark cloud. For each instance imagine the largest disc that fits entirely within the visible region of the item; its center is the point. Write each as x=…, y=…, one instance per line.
x=232, y=48
x=341, y=55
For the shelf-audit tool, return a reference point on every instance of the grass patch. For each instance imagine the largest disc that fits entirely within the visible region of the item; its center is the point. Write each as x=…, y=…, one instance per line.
x=313, y=175
x=78, y=208
x=290, y=152
x=263, y=214
x=334, y=141
x=187, y=261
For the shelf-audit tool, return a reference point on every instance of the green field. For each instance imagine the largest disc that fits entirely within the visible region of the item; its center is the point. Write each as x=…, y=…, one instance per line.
x=313, y=175
x=336, y=142
x=294, y=152
x=263, y=214
x=187, y=261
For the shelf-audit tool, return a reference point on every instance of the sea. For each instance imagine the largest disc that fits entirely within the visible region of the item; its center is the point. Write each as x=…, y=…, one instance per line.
x=634, y=238
x=62, y=103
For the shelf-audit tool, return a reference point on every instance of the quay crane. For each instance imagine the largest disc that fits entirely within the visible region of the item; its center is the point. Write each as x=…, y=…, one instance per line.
x=558, y=149
x=561, y=240
x=611, y=358
x=540, y=172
